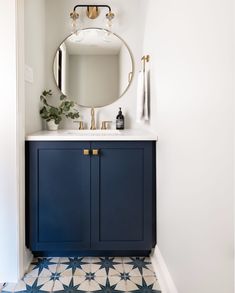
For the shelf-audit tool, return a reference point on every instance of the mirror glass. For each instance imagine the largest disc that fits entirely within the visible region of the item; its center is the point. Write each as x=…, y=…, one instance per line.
x=94, y=67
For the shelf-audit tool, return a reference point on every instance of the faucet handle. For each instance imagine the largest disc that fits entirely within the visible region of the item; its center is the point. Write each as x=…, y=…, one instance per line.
x=104, y=124
x=93, y=127
x=81, y=125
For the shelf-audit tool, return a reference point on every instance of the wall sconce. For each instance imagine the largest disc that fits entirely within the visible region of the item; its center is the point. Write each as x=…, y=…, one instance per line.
x=92, y=12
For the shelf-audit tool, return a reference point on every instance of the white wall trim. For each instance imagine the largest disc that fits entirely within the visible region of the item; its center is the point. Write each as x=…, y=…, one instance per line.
x=24, y=255
x=164, y=278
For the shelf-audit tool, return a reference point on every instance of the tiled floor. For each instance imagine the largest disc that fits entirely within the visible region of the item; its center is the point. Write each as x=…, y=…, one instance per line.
x=88, y=274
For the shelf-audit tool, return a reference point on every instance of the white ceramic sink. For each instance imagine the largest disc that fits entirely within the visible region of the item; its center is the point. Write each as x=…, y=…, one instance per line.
x=93, y=132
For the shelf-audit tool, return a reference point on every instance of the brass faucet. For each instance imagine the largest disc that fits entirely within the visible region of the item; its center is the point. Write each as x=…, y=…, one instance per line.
x=104, y=125
x=93, y=127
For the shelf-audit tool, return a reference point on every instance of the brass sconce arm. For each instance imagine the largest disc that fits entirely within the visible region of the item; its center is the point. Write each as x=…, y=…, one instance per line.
x=93, y=10
x=94, y=5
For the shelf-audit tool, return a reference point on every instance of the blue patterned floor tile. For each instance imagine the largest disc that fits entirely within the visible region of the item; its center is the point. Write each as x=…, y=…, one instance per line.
x=73, y=266
x=66, y=284
x=138, y=266
x=34, y=285
x=8, y=288
x=42, y=267
x=136, y=286
x=128, y=283
x=116, y=283
x=61, y=283
x=152, y=280
x=88, y=274
x=112, y=259
x=78, y=284
x=110, y=286
x=108, y=264
x=1, y=286
x=91, y=283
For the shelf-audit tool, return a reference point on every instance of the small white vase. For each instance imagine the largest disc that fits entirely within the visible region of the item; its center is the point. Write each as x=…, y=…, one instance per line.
x=52, y=126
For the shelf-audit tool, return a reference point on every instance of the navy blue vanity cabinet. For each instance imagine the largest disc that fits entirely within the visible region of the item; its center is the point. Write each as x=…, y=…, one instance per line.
x=122, y=195
x=58, y=196
x=101, y=203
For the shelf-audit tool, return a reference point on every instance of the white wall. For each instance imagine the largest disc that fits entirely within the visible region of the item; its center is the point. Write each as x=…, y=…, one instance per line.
x=24, y=254
x=9, y=210
x=129, y=25
x=35, y=59
x=33, y=49
x=191, y=48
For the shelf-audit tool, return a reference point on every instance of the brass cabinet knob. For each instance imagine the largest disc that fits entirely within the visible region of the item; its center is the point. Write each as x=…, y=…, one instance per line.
x=95, y=152
x=86, y=152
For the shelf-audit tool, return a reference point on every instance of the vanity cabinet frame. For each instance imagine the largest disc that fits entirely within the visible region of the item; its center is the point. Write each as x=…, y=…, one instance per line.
x=116, y=189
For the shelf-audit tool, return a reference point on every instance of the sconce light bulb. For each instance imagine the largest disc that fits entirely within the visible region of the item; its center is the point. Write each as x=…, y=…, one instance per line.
x=74, y=21
x=110, y=16
x=109, y=24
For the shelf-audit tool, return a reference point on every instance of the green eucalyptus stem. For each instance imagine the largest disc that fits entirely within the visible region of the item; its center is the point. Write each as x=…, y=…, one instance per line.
x=65, y=109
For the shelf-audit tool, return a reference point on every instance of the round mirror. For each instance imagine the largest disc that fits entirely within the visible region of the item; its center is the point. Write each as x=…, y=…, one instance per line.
x=94, y=67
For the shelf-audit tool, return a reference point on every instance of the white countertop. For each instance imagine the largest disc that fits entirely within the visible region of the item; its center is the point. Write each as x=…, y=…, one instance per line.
x=93, y=135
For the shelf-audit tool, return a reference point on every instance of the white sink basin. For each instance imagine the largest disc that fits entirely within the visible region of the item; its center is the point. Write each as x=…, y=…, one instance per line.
x=93, y=132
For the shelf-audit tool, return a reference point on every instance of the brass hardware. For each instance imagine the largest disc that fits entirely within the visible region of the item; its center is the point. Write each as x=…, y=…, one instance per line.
x=81, y=125
x=93, y=127
x=145, y=60
x=130, y=76
x=86, y=152
x=95, y=152
x=92, y=12
x=104, y=125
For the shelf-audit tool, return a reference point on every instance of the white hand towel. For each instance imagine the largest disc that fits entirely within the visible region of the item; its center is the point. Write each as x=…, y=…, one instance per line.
x=146, y=95
x=140, y=97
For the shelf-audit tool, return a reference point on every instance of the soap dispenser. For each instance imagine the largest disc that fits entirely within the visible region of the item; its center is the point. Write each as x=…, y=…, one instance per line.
x=120, y=120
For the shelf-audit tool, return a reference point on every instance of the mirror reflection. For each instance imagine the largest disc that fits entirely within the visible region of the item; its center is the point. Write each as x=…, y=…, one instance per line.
x=94, y=67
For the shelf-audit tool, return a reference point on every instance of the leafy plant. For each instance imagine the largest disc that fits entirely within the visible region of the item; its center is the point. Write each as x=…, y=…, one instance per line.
x=66, y=108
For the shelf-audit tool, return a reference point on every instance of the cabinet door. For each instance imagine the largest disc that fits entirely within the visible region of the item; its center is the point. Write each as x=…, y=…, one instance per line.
x=122, y=190
x=59, y=196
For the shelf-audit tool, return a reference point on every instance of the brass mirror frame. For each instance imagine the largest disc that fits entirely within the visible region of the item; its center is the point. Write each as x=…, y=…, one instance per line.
x=131, y=74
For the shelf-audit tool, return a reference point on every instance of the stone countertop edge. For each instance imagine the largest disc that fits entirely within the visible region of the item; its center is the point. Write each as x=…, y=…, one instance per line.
x=77, y=135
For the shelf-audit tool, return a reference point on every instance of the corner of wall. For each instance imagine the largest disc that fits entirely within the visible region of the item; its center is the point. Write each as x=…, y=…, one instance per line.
x=163, y=275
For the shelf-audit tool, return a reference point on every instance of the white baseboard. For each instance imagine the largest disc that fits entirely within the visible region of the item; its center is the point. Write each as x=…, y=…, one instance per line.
x=164, y=278
x=28, y=257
